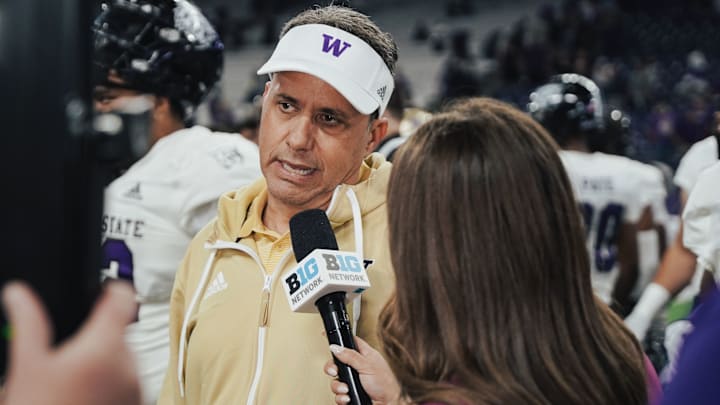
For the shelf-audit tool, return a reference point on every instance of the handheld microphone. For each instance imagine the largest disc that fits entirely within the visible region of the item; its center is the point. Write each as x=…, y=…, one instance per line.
x=324, y=278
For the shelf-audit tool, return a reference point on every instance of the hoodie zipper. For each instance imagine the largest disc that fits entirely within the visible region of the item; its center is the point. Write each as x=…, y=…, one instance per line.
x=265, y=302
x=262, y=326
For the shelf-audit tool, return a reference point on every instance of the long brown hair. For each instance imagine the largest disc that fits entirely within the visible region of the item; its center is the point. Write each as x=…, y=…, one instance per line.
x=494, y=303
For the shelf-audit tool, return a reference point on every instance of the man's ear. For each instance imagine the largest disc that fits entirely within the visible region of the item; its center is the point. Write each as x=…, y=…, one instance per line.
x=267, y=88
x=378, y=130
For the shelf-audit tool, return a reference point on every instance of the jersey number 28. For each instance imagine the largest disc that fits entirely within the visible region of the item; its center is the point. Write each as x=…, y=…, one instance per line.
x=606, y=223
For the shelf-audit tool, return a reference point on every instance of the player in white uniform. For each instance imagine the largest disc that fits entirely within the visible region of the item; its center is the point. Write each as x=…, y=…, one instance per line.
x=678, y=263
x=616, y=194
x=651, y=243
x=167, y=54
x=701, y=236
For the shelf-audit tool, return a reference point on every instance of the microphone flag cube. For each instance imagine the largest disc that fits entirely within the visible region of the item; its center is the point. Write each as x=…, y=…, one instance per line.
x=322, y=272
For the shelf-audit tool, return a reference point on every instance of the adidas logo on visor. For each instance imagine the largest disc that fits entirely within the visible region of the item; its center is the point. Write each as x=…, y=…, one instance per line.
x=381, y=92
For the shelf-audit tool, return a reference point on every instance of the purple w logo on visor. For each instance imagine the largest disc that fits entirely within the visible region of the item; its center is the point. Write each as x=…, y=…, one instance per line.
x=333, y=44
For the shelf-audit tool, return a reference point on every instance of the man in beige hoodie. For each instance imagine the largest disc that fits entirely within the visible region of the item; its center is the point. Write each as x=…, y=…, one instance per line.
x=234, y=339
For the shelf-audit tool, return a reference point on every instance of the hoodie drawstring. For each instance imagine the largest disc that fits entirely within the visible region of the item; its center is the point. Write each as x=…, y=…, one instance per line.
x=359, y=249
x=214, y=247
x=186, y=320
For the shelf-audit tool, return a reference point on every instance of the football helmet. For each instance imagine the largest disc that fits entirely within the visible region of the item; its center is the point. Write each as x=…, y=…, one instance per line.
x=569, y=105
x=162, y=47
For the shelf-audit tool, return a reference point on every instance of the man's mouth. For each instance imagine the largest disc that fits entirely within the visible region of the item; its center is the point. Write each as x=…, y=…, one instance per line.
x=299, y=170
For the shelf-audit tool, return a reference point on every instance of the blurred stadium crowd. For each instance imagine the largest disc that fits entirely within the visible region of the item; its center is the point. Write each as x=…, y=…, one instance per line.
x=654, y=61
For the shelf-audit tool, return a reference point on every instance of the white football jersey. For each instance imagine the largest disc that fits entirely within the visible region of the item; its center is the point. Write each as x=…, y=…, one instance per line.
x=151, y=213
x=611, y=190
x=700, y=156
x=701, y=220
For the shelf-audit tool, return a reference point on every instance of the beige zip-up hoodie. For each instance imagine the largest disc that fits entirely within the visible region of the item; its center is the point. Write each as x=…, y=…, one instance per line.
x=233, y=338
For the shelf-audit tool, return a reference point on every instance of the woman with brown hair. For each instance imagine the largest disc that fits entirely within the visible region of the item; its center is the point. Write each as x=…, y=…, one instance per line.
x=493, y=303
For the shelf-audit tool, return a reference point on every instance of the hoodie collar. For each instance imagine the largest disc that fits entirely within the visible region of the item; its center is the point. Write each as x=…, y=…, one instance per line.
x=239, y=211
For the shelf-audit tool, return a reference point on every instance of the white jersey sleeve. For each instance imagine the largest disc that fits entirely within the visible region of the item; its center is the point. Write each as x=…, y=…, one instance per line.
x=221, y=163
x=653, y=193
x=701, y=218
x=699, y=157
x=649, y=244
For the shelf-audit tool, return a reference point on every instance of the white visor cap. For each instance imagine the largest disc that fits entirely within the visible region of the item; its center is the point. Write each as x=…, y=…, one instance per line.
x=339, y=58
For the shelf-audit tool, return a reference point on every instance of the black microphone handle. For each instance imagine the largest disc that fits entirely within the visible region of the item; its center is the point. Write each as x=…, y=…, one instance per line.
x=337, y=327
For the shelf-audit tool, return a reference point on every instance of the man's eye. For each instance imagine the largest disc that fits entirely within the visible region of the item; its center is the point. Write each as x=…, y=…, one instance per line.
x=285, y=106
x=328, y=119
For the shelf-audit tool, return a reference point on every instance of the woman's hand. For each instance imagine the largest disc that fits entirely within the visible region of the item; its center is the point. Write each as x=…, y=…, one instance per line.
x=375, y=374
